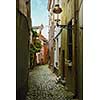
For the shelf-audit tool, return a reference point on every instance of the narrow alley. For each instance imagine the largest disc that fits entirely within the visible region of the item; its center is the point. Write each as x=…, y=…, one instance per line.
x=43, y=85
x=49, y=45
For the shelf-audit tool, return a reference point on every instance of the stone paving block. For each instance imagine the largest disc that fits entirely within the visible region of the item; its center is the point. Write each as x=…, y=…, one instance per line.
x=42, y=85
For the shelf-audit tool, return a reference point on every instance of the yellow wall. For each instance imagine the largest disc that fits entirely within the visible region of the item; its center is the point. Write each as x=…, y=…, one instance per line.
x=70, y=8
x=66, y=16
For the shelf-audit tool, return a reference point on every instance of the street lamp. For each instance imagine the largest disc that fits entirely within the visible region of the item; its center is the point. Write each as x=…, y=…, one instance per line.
x=58, y=10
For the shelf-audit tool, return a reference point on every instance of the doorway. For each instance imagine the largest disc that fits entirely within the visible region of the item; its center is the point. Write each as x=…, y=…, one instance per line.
x=63, y=64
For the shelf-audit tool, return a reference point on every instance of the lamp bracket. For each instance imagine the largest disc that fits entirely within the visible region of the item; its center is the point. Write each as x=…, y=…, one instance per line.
x=65, y=26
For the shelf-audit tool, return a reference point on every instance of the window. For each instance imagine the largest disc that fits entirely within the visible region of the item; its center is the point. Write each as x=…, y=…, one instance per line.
x=70, y=41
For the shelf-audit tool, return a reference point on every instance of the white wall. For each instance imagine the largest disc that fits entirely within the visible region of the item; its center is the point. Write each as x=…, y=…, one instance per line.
x=56, y=51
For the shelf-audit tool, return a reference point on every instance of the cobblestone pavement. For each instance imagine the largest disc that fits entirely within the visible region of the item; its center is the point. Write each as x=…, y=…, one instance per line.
x=42, y=85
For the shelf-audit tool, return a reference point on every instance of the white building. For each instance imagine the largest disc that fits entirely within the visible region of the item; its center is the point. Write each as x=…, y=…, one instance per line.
x=57, y=39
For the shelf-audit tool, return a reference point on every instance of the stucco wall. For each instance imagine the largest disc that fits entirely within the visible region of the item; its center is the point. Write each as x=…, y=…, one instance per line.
x=51, y=43
x=74, y=74
x=80, y=53
x=66, y=16
x=21, y=5
x=22, y=54
x=74, y=84
x=56, y=51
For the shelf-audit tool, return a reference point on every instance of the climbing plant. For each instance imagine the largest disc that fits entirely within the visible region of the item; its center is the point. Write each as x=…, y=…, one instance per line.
x=34, y=47
x=35, y=34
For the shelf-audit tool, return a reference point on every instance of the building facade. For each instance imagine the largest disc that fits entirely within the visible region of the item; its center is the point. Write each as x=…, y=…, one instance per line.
x=42, y=56
x=23, y=26
x=51, y=34
x=79, y=75
x=68, y=44
x=57, y=48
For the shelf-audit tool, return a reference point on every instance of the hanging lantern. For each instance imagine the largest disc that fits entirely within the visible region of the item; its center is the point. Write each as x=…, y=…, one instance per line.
x=57, y=9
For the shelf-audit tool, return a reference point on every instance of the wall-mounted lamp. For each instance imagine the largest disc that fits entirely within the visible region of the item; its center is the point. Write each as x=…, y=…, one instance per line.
x=63, y=26
x=58, y=10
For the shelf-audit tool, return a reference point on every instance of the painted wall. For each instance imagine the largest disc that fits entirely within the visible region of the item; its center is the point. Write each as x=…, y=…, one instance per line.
x=68, y=15
x=21, y=5
x=22, y=54
x=73, y=75
x=23, y=35
x=45, y=53
x=56, y=50
x=80, y=52
x=51, y=43
x=42, y=56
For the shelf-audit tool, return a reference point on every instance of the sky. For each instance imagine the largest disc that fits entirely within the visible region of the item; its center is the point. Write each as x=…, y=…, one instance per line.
x=39, y=14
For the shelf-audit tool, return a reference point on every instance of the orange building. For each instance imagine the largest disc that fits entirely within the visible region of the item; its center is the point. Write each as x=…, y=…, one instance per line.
x=42, y=56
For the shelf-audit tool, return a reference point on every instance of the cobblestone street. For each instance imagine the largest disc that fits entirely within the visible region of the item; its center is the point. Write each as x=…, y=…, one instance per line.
x=42, y=85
